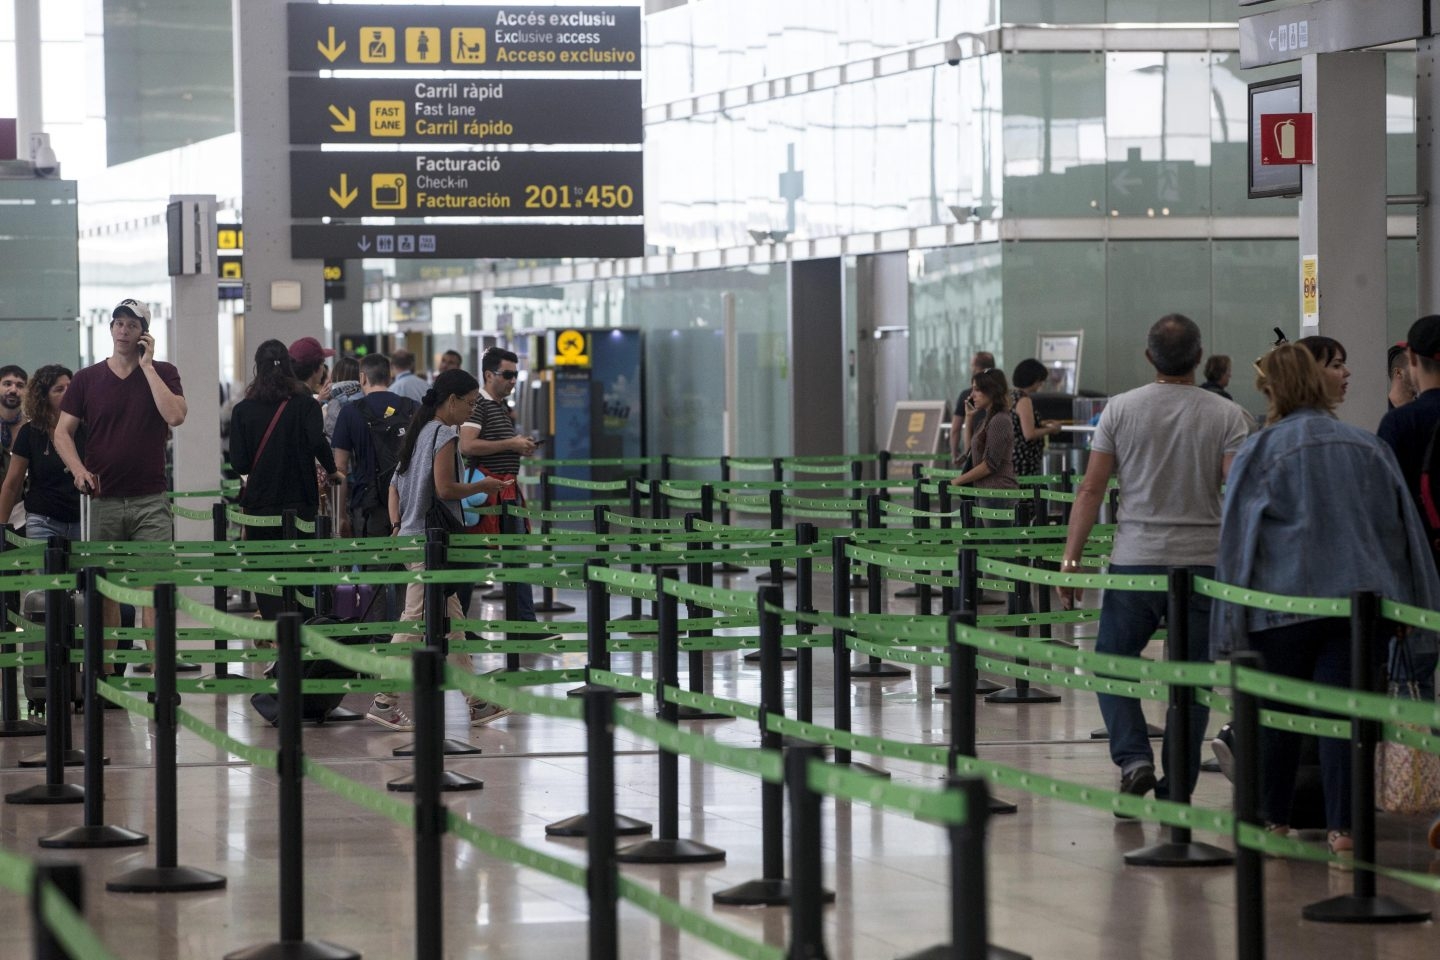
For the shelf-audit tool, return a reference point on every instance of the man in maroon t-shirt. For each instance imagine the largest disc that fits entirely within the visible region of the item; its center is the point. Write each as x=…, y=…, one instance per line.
x=128, y=404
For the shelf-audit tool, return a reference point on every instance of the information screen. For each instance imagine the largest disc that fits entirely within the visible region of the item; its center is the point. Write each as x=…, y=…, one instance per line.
x=1272, y=96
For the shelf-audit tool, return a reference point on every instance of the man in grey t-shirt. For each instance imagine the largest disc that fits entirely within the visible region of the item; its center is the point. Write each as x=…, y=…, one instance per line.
x=1170, y=443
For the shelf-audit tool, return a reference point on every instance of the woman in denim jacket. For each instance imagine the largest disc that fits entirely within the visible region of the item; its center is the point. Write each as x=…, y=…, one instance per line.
x=1314, y=508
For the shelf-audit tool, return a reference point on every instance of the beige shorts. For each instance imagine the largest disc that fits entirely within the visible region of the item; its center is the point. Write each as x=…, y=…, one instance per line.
x=132, y=518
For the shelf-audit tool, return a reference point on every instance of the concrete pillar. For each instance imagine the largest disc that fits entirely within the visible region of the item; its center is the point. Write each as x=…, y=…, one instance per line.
x=29, y=103
x=262, y=111
x=1342, y=217
x=194, y=338
x=1427, y=171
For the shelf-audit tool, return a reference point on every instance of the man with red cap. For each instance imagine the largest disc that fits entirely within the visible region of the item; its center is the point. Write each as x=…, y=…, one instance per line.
x=307, y=359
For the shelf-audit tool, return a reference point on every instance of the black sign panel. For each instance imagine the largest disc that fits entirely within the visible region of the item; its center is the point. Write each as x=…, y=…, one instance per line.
x=335, y=36
x=508, y=184
x=466, y=241
x=465, y=111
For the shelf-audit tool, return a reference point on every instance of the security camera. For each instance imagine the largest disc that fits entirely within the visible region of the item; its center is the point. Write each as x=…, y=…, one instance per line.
x=953, y=53
x=42, y=157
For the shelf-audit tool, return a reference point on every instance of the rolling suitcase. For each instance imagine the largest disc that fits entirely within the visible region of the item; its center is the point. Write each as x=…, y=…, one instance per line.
x=34, y=676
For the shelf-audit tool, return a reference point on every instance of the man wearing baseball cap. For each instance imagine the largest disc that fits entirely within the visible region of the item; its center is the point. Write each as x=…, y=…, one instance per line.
x=128, y=402
x=307, y=359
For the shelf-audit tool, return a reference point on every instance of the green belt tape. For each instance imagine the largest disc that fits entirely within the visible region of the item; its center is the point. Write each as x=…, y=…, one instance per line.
x=700, y=462
x=899, y=655
x=38, y=581
x=641, y=585
x=643, y=523
x=400, y=811
x=1411, y=616
x=577, y=484
x=551, y=647
x=765, y=764
x=752, y=463
x=353, y=659
x=713, y=598
x=992, y=513
x=695, y=924
x=69, y=927
x=503, y=848
x=1310, y=606
x=25, y=558
x=16, y=873
x=1057, y=496
x=197, y=495
x=137, y=598
x=14, y=538
x=940, y=806
x=242, y=519
x=134, y=704
x=257, y=756
x=1119, y=688
x=1368, y=706
x=241, y=627
x=1002, y=586
x=893, y=561
x=900, y=510
x=608, y=678
x=496, y=688
x=677, y=492
x=188, y=514
x=551, y=516
x=704, y=701
x=603, y=462
x=1088, y=581
x=1002, y=621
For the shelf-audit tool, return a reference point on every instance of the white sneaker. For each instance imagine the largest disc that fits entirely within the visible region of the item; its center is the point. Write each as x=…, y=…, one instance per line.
x=390, y=716
x=482, y=713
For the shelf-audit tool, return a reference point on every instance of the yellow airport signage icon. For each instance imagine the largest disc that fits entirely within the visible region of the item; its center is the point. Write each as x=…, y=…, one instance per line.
x=467, y=45
x=377, y=44
x=570, y=349
x=387, y=191
x=422, y=45
x=387, y=118
x=229, y=239
x=230, y=270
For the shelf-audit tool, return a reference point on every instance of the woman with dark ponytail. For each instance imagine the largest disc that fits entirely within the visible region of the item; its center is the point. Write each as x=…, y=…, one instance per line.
x=428, y=471
x=276, y=436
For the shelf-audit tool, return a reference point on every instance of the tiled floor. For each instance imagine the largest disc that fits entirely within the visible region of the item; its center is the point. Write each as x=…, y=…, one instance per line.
x=1059, y=887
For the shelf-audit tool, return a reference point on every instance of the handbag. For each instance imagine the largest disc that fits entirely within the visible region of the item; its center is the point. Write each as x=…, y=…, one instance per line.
x=1407, y=779
x=437, y=515
x=264, y=439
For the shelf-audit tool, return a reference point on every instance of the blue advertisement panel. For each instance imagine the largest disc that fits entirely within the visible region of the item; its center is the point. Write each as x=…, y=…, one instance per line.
x=618, y=431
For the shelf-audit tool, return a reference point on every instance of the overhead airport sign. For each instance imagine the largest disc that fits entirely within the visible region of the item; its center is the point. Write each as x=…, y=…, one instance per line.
x=458, y=111
x=336, y=36
x=1328, y=26
x=499, y=184
x=466, y=241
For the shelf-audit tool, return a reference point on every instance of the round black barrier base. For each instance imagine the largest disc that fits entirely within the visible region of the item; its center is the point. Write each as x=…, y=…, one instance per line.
x=857, y=766
x=762, y=893
x=450, y=748
x=166, y=880
x=944, y=951
x=585, y=688
x=1170, y=854
x=294, y=950
x=1017, y=696
x=1151, y=731
x=579, y=826
x=187, y=667
x=730, y=568
x=45, y=793
x=493, y=595
x=767, y=577
x=998, y=806
x=786, y=656
x=857, y=581
x=450, y=782
x=1067, y=644
x=21, y=728
x=909, y=593
x=555, y=606
x=343, y=715
x=80, y=838
x=1353, y=909
x=878, y=671
x=72, y=758
x=695, y=713
x=941, y=690
x=983, y=687
x=669, y=851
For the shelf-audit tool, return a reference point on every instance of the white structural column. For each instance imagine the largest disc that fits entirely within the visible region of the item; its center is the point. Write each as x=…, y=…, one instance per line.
x=1427, y=170
x=194, y=336
x=262, y=116
x=1342, y=217
x=29, y=103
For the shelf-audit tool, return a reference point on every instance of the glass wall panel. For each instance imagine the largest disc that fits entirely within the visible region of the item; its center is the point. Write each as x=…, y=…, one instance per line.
x=1402, y=262
x=1054, y=134
x=1056, y=286
x=1157, y=126
x=1400, y=122
x=955, y=310
x=1230, y=139
x=1254, y=285
x=1144, y=281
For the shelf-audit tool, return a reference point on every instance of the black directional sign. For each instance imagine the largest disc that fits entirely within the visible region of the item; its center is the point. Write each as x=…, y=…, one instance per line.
x=452, y=110
x=466, y=241
x=491, y=184
x=375, y=37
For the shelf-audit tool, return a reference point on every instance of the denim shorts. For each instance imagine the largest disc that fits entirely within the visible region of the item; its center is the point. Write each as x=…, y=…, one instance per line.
x=39, y=527
x=132, y=518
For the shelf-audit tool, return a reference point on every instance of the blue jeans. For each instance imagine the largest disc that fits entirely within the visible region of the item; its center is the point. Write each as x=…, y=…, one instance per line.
x=38, y=527
x=1128, y=618
x=524, y=595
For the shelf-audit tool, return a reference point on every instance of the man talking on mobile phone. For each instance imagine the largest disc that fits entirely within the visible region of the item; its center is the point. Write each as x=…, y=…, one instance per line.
x=128, y=402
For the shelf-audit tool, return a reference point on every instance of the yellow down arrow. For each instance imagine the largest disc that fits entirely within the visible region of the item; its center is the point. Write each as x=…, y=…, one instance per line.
x=345, y=121
x=345, y=196
x=329, y=50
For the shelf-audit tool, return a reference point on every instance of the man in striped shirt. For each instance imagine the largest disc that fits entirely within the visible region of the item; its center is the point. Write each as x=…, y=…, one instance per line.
x=490, y=441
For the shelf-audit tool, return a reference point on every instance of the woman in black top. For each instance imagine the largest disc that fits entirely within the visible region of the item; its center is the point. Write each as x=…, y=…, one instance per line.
x=52, y=504
x=280, y=469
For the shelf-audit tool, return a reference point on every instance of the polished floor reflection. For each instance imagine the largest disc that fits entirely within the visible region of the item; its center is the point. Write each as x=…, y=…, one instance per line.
x=1059, y=887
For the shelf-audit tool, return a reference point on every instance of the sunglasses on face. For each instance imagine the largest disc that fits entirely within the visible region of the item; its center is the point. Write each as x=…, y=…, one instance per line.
x=507, y=374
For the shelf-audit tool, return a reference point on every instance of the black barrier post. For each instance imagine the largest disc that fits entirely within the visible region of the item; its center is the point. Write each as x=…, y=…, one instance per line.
x=1363, y=904
x=1067, y=485
x=921, y=591
x=946, y=506
x=669, y=846
x=840, y=652
x=68, y=879
x=1043, y=602
x=807, y=906
x=1181, y=850
x=857, y=472
x=324, y=595
x=509, y=589
x=1022, y=693
x=700, y=573
x=166, y=876
x=882, y=469
x=94, y=833
x=874, y=668
x=57, y=695
x=288, y=532
x=777, y=572
x=291, y=762
x=969, y=897
x=1038, y=507
x=805, y=536
x=636, y=612
x=428, y=672
x=963, y=674
x=602, y=876
x=437, y=635
x=920, y=501
x=220, y=597
x=1249, y=862
x=10, y=723
x=548, y=603
x=968, y=593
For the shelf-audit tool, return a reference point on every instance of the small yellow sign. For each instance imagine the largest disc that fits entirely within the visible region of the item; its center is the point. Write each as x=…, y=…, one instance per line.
x=377, y=44
x=387, y=118
x=570, y=349
x=229, y=239
x=387, y=191
x=1310, y=287
x=230, y=270
x=917, y=422
x=467, y=45
x=422, y=45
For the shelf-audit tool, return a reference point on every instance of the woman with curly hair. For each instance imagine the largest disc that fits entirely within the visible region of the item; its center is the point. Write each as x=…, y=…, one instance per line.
x=52, y=504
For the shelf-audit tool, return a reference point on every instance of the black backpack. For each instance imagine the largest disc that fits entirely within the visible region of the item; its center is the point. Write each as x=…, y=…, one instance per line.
x=387, y=436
